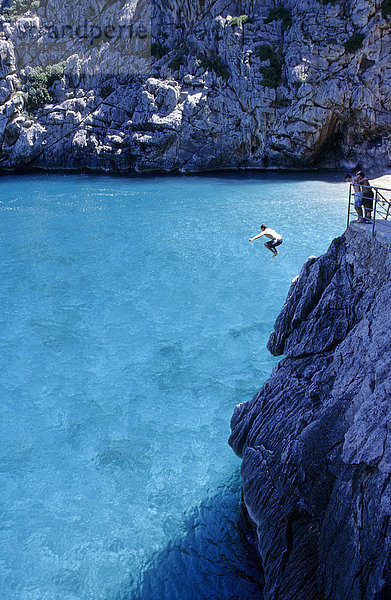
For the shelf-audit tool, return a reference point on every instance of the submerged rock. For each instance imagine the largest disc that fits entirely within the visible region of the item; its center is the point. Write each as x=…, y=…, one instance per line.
x=315, y=439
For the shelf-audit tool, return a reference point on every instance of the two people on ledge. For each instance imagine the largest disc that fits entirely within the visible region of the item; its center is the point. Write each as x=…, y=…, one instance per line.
x=275, y=239
x=363, y=196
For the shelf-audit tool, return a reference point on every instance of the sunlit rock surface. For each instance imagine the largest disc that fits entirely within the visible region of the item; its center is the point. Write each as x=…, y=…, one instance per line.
x=208, y=97
x=315, y=439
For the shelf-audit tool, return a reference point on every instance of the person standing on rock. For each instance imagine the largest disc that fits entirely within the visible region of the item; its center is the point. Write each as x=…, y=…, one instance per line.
x=367, y=193
x=275, y=239
x=358, y=196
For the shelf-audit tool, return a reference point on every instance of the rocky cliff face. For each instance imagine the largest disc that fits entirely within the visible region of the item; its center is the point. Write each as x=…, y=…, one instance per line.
x=315, y=439
x=187, y=86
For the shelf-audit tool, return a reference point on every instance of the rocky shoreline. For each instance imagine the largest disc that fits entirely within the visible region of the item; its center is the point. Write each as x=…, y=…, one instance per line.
x=315, y=439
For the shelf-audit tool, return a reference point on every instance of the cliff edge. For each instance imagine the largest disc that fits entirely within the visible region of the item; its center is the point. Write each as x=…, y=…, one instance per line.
x=315, y=439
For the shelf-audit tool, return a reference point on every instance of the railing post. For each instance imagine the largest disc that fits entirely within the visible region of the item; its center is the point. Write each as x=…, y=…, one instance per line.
x=374, y=213
x=350, y=200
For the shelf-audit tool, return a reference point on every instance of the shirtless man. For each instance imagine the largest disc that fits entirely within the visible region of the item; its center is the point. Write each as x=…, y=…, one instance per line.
x=358, y=196
x=275, y=239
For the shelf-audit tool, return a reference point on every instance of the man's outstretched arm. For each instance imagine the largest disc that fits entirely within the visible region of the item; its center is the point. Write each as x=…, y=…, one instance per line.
x=257, y=236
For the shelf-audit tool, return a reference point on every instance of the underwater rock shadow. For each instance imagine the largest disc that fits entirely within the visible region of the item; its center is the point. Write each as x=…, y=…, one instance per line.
x=212, y=560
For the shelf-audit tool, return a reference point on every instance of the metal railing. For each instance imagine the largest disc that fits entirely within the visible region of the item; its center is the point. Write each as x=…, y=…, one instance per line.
x=381, y=204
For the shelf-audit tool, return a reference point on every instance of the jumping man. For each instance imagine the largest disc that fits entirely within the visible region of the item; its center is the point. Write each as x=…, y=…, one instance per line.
x=275, y=239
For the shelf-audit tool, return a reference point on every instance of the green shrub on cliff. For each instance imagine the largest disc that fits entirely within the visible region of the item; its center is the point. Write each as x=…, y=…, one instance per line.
x=157, y=50
x=354, y=42
x=39, y=82
x=386, y=9
x=20, y=7
x=272, y=74
x=106, y=90
x=240, y=21
x=215, y=63
x=177, y=61
x=280, y=14
x=54, y=73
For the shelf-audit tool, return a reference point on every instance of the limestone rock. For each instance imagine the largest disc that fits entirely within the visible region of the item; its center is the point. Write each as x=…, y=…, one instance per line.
x=312, y=102
x=315, y=439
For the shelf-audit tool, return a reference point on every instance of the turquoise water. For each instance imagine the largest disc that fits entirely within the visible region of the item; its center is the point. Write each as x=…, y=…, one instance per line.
x=134, y=316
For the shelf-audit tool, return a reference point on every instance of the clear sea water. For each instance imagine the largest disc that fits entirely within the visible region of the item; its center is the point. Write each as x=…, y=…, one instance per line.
x=134, y=317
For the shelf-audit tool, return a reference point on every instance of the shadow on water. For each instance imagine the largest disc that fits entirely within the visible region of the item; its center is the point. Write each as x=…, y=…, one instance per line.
x=212, y=560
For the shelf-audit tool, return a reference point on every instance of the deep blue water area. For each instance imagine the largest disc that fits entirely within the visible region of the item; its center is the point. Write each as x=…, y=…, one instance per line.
x=134, y=317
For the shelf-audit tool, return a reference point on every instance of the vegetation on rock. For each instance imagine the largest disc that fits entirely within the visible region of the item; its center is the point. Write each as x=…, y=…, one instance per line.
x=177, y=61
x=39, y=82
x=240, y=21
x=280, y=14
x=157, y=50
x=106, y=90
x=215, y=63
x=354, y=42
x=272, y=74
x=20, y=7
x=386, y=9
